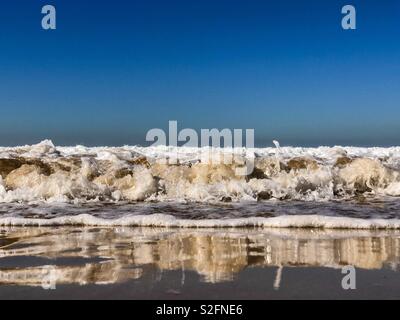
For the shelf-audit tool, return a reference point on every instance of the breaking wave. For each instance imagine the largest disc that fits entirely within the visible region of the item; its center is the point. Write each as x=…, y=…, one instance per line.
x=45, y=175
x=44, y=172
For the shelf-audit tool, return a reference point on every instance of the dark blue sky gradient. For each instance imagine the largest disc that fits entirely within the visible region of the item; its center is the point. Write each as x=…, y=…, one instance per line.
x=115, y=69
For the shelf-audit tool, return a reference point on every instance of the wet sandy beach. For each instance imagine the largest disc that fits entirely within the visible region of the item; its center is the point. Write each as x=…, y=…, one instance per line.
x=149, y=263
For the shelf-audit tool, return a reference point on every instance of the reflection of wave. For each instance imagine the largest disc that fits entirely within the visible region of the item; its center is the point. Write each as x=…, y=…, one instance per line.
x=112, y=255
x=100, y=274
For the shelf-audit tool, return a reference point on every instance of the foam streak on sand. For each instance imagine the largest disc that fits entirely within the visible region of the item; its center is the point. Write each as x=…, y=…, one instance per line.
x=160, y=220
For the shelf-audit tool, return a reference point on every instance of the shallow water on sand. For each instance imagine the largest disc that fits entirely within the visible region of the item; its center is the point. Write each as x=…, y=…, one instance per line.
x=363, y=208
x=363, y=213
x=175, y=263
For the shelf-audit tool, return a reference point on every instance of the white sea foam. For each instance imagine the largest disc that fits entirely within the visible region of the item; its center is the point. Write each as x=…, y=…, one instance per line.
x=169, y=221
x=44, y=172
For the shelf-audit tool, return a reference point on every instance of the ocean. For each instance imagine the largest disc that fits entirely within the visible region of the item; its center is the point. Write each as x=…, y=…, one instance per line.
x=161, y=222
x=324, y=187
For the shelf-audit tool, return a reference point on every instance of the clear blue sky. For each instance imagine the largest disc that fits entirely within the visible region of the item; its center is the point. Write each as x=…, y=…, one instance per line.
x=115, y=69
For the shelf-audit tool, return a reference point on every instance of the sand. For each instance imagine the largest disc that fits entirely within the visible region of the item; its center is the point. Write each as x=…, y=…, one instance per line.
x=148, y=263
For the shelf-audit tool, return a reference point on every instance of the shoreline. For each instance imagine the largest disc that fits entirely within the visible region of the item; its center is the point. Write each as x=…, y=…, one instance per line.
x=169, y=221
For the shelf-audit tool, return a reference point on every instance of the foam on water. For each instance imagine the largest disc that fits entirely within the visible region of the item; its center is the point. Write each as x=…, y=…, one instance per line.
x=160, y=220
x=44, y=174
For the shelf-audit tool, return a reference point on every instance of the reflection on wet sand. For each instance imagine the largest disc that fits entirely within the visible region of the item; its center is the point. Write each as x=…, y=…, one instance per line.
x=83, y=256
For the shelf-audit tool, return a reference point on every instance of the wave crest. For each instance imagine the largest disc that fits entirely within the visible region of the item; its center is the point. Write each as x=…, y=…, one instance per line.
x=44, y=172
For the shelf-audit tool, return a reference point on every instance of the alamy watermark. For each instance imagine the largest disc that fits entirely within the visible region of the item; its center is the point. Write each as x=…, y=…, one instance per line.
x=349, y=280
x=349, y=20
x=49, y=19
x=49, y=278
x=213, y=146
